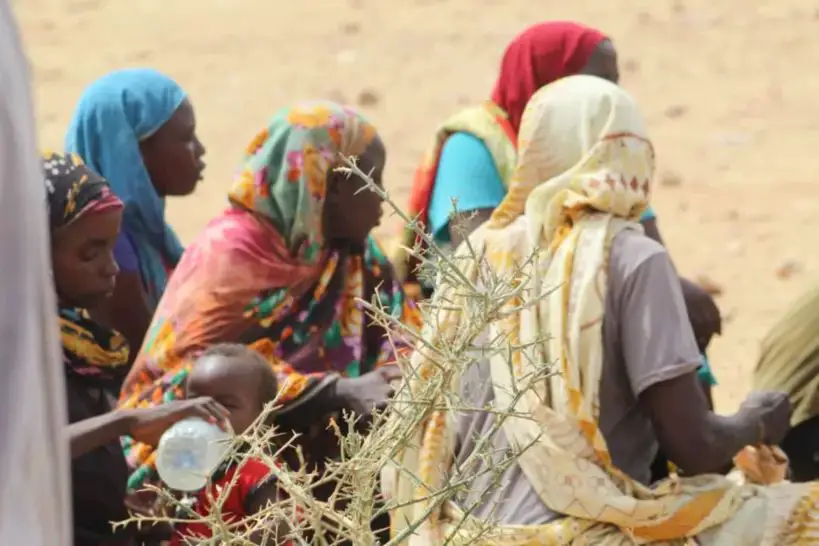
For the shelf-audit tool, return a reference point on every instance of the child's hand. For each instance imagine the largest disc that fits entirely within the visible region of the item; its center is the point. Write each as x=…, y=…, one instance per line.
x=147, y=425
x=156, y=530
x=138, y=507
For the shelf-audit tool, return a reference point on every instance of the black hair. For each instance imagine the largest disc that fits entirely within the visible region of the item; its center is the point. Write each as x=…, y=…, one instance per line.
x=268, y=385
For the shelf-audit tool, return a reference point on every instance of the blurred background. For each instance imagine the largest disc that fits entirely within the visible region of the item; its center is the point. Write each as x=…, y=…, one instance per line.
x=730, y=91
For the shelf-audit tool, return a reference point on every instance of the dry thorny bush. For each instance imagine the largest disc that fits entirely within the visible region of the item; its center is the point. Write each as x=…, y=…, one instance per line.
x=346, y=516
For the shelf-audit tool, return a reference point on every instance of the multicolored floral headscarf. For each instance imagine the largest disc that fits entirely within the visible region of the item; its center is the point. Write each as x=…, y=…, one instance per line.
x=284, y=177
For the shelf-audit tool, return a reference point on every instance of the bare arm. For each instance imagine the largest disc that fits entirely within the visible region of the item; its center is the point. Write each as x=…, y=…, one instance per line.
x=661, y=359
x=145, y=425
x=690, y=434
x=707, y=391
x=127, y=311
x=463, y=223
x=89, y=434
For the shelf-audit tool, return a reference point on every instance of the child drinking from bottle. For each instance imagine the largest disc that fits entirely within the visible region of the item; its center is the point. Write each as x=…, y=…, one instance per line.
x=240, y=379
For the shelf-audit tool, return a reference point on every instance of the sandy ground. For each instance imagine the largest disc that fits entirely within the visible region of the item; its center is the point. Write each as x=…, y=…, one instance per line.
x=729, y=91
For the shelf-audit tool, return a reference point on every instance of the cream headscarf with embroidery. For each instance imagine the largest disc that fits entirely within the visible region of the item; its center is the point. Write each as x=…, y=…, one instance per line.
x=583, y=176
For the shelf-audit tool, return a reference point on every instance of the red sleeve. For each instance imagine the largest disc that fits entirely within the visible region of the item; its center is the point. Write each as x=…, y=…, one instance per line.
x=253, y=474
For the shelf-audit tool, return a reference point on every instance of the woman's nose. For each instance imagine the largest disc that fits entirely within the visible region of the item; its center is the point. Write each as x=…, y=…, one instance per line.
x=200, y=148
x=110, y=269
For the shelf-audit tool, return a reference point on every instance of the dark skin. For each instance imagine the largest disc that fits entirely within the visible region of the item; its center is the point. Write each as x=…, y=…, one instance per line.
x=242, y=385
x=698, y=440
x=603, y=63
x=81, y=255
x=351, y=212
x=84, y=276
x=173, y=159
x=173, y=155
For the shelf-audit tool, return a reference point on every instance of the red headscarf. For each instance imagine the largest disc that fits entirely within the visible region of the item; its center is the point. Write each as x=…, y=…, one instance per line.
x=538, y=56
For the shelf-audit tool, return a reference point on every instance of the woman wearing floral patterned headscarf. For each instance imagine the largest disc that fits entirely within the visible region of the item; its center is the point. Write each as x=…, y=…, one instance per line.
x=282, y=270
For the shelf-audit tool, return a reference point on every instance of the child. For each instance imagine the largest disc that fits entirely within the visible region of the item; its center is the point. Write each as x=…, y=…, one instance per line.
x=242, y=381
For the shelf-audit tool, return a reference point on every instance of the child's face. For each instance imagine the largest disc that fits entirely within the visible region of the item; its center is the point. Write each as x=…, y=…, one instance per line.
x=231, y=384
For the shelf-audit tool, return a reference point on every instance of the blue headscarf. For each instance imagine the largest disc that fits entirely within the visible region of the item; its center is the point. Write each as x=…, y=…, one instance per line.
x=114, y=115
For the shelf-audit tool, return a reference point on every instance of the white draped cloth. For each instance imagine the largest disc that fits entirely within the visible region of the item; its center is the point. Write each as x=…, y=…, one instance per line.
x=35, y=508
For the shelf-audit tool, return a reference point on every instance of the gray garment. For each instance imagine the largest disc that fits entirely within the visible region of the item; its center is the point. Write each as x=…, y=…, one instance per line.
x=34, y=459
x=647, y=339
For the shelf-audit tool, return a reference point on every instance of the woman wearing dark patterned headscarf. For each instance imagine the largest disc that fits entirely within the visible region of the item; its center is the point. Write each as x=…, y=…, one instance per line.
x=84, y=220
x=82, y=211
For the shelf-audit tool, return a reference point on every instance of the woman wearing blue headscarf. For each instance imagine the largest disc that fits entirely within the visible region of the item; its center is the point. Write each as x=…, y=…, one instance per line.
x=136, y=127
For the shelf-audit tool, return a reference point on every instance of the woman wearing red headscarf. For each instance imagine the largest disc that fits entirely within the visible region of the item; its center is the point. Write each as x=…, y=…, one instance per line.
x=475, y=150
x=474, y=154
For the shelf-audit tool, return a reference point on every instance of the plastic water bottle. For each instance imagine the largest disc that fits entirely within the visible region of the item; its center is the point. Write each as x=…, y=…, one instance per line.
x=189, y=452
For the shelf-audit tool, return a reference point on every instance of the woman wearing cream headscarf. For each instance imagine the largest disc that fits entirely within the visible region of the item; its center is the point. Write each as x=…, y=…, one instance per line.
x=564, y=458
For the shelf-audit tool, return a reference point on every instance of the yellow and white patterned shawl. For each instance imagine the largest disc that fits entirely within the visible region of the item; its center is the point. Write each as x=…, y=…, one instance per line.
x=583, y=175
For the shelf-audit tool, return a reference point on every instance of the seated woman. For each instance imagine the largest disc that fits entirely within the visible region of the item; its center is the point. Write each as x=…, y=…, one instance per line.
x=282, y=271
x=564, y=458
x=84, y=218
x=136, y=127
x=789, y=362
x=473, y=157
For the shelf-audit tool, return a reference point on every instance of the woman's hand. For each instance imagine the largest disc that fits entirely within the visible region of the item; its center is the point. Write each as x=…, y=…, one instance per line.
x=702, y=312
x=371, y=391
x=147, y=425
x=771, y=412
